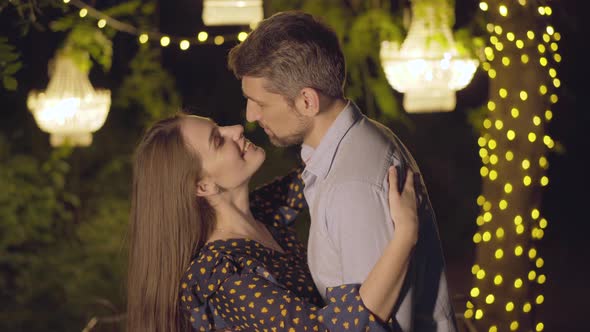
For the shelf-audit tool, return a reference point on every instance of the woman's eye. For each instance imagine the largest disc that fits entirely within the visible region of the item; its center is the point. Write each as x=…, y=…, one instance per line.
x=219, y=141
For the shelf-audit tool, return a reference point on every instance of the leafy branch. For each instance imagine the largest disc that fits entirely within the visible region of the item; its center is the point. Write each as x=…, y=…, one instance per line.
x=9, y=64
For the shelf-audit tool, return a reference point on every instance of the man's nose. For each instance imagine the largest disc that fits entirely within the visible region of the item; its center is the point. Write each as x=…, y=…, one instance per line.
x=252, y=112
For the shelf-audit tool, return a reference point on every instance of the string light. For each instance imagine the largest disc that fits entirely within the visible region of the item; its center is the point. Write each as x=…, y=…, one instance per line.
x=165, y=41
x=242, y=36
x=184, y=45
x=218, y=40
x=143, y=36
x=202, y=36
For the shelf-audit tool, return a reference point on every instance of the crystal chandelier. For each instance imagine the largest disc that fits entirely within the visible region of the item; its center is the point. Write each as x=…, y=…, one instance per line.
x=427, y=68
x=70, y=109
x=232, y=12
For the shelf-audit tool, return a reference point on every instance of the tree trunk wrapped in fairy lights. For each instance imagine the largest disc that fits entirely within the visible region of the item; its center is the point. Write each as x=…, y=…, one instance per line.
x=521, y=63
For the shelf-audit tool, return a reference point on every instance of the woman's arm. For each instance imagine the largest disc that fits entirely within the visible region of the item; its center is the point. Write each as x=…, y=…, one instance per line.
x=252, y=302
x=382, y=287
x=218, y=287
x=280, y=200
x=380, y=290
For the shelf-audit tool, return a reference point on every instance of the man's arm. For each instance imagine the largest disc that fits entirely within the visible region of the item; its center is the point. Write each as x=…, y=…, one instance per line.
x=360, y=227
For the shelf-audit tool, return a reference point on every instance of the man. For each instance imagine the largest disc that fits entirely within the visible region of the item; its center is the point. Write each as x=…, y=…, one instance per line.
x=293, y=71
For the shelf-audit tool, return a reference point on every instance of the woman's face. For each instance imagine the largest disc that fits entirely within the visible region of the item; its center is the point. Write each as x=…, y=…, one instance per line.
x=229, y=159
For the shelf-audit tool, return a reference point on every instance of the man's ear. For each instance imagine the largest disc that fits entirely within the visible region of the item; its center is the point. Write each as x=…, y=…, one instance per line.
x=206, y=188
x=308, y=102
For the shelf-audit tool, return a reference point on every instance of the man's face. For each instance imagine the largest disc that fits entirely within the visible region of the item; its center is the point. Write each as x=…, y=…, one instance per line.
x=283, y=123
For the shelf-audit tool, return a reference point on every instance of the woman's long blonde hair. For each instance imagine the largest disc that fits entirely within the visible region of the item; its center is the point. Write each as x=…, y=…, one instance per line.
x=168, y=224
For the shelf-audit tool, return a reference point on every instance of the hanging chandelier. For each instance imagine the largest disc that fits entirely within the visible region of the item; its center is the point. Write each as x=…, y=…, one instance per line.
x=427, y=67
x=232, y=12
x=70, y=109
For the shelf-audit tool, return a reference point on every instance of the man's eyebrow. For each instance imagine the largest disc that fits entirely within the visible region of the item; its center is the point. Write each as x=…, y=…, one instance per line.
x=248, y=97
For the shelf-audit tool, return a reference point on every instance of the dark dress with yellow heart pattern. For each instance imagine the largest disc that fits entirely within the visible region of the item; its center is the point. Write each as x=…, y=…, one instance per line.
x=240, y=284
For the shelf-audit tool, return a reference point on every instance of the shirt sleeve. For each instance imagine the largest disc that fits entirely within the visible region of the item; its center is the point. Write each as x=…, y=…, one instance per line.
x=280, y=200
x=253, y=302
x=359, y=226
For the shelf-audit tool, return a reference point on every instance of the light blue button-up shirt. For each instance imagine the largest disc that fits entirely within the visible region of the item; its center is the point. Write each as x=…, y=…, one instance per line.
x=346, y=189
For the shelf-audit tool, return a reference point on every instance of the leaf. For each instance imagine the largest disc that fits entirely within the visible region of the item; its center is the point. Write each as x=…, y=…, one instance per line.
x=369, y=30
x=63, y=24
x=12, y=68
x=6, y=56
x=337, y=17
x=9, y=83
x=123, y=9
x=385, y=98
x=85, y=42
x=5, y=47
x=71, y=199
x=148, y=8
x=149, y=87
x=250, y=127
x=467, y=44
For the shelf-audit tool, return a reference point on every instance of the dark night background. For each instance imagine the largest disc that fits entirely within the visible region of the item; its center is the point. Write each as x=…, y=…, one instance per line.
x=444, y=144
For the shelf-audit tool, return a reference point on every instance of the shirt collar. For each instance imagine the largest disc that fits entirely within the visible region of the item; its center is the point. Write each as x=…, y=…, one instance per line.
x=319, y=160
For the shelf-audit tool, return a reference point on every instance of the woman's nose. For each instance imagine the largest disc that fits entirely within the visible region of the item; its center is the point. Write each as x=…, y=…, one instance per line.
x=235, y=132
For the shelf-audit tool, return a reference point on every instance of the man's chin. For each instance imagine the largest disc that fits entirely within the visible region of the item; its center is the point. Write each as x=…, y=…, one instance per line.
x=283, y=142
x=278, y=143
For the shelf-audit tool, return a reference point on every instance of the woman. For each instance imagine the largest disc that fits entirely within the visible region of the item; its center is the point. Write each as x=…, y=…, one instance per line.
x=204, y=253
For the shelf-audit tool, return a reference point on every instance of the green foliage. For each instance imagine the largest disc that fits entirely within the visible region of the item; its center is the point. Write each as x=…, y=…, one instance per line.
x=63, y=217
x=27, y=12
x=476, y=116
x=360, y=27
x=33, y=191
x=444, y=10
x=468, y=44
x=96, y=269
x=366, y=76
x=85, y=43
x=9, y=64
x=148, y=87
x=36, y=217
x=129, y=11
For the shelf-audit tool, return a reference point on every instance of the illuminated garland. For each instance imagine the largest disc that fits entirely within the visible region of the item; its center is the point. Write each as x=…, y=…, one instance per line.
x=510, y=223
x=144, y=36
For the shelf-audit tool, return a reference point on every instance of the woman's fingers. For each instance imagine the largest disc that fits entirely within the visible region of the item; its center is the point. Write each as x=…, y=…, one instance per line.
x=392, y=181
x=403, y=206
x=409, y=184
